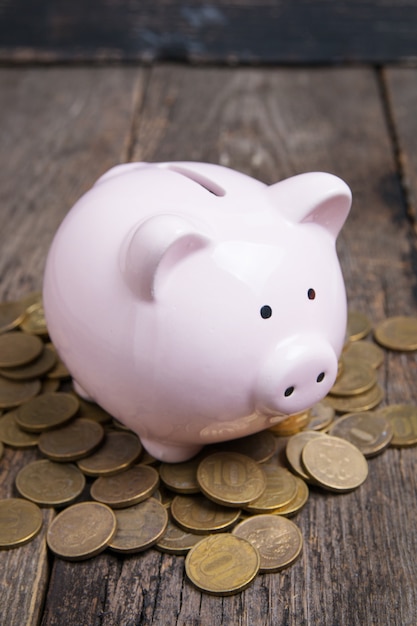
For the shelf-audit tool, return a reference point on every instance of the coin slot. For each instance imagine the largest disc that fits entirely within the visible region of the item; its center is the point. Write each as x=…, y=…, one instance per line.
x=198, y=178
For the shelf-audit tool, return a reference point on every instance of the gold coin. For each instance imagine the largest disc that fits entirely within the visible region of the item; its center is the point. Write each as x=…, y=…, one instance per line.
x=14, y=393
x=11, y=314
x=222, y=564
x=358, y=326
x=127, y=488
x=277, y=539
x=294, y=449
x=35, y=369
x=198, y=514
x=361, y=402
x=71, y=442
x=20, y=522
x=281, y=488
x=366, y=352
x=297, y=502
x=181, y=477
x=322, y=415
x=50, y=484
x=59, y=371
x=357, y=378
x=93, y=411
x=33, y=297
x=292, y=424
x=334, y=463
x=12, y=435
x=81, y=531
x=175, y=540
x=231, y=479
x=397, y=333
x=403, y=419
x=47, y=411
x=118, y=452
x=139, y=527
x=369, y=432
x=260, y=446
x=17, y=348
x=48, y=385
x=34, y=322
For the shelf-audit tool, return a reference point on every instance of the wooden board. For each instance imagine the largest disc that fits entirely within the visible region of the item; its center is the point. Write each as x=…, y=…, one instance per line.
x=223, y=31
x=358, y=565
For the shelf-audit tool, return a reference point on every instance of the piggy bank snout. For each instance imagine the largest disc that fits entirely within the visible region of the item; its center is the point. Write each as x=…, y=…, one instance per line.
x=296, y=376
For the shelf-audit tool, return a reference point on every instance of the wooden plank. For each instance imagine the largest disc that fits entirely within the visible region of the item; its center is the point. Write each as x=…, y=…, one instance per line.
x=60, y=130
x=358, y=564
x=289, y=31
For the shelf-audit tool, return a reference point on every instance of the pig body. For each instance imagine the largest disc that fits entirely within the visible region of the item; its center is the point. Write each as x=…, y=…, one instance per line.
x=196, y=304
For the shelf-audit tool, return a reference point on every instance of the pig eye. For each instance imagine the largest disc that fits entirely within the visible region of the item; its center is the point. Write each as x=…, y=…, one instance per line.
x=266, y=311
x=311, y=294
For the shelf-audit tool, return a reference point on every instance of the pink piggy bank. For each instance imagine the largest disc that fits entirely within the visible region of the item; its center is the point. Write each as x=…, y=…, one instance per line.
x=196, y=304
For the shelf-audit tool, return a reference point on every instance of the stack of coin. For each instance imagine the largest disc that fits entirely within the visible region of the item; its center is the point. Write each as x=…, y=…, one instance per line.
x=230, y=504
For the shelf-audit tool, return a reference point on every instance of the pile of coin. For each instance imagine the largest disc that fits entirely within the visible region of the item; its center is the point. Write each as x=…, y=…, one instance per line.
x=228, y=509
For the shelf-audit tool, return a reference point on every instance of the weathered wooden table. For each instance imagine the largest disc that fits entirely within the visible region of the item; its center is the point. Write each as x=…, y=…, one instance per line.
x=61, y=127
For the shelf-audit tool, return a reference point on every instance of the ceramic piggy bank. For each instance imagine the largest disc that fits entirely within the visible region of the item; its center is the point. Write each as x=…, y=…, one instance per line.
x=196, y=304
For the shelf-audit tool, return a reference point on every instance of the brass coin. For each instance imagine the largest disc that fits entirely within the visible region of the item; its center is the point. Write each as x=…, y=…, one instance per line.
x=357, y=378
x=397, y=333
x=296, y=503
x=48, y=385
x=93, y=411
x=369, y=432
x=118, y=452
x=277, y=539
x=35, y=369
x=260, y=446
x=222, y=564
x=127, y=488
x=175, y=540
x=361, y=402
x=403, y=419
x=34, y=322
x=322, y=415
x=11, y=314
x=17, y=348
x=59, y=371
x=231, y=479
x=281, y=488
x=200, y=515
x=294, y=449
x=12, y=435
x=292, y=424
x=81, y=531
x=47, y=411
x=358, y=326
x=366, y=352
x=181, y=477
x=334, y=463
x=20, y=522
x=50, y=484
x=34, y=297
x=139, y=527
x=14, y=393
x=71, y=442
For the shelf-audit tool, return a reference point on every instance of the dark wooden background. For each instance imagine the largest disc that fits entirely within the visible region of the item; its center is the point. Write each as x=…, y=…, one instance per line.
x=63, y=126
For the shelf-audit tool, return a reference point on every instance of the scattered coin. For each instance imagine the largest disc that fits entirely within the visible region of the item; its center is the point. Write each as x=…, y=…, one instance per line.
x=231, y=479
x=11, y=314
x=20, y=522
x=292, y=424
x=127, y=488
x=12, y=435
x=322, y=415
x=81, y=531
x=358, y=326
x=15, y=393
x=139, y=527
x=198, y=514
x=294, y=449
x=369, y=432
x=260, y=446
x=181, y=477
x=50, y=484
x=71, y=442
x=297, y=502
x=59, y=371
x=277, y=539
x=360, y=402
x=47, y=411
x=366, y=352
x=17, y=348
x=397, y=333
x=222, y=564
x=334, y=463
x=357, y=378
x=93, y=411
x=403, y=419
x=34, y=322
x=281, y=488
x=118, y=452
x=35, y=369
x=176, y=540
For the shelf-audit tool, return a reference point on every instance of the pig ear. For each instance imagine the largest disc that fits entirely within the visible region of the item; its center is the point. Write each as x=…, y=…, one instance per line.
x=154, y=248
x=314, y=197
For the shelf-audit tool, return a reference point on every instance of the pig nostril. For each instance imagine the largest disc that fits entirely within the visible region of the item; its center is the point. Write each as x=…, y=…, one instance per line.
x=288, y=391
x=320, y=377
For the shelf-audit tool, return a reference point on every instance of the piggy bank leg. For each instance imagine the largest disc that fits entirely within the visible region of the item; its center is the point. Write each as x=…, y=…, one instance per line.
x=169, y=452
x=81, y=391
